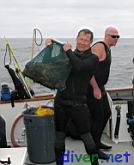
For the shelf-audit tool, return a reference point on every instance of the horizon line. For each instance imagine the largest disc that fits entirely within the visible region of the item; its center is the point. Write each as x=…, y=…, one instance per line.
x=60, y=37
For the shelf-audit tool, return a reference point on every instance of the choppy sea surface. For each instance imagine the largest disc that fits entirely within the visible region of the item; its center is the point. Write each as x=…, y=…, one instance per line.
x=122, y=68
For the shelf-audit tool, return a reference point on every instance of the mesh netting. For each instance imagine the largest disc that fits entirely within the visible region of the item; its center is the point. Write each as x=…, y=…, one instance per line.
x=50, y=68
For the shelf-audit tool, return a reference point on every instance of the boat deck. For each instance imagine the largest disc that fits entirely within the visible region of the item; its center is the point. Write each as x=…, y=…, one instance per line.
x=118, y=150
x=78, y=148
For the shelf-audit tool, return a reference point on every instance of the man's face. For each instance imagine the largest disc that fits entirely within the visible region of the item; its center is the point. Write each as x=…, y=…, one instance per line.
x=113, y=38
x=83, y=42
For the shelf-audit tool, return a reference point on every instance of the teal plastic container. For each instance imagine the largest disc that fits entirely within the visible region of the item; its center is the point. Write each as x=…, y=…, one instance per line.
x=40, y=132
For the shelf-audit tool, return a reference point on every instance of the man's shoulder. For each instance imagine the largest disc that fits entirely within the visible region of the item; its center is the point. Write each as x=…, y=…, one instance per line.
x=91, y=55
x=98, y=48
x=98, y=44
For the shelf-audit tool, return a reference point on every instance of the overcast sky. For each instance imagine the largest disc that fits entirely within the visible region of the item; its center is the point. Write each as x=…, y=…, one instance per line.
x=60, y=18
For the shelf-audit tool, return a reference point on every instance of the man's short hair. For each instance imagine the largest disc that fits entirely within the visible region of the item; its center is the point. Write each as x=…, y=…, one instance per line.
x=86, y=31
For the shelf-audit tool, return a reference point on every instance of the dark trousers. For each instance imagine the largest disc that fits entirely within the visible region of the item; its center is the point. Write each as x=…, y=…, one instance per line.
x=100, y=112
x=3, y=141
x=80, y=115
x=77, y=113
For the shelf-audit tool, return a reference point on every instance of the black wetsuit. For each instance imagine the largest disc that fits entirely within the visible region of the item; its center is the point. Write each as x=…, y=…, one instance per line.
x=100, y=109
x=72, y=102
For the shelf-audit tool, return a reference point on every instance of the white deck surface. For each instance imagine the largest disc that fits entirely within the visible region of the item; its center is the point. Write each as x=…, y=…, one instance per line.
x=17, y=155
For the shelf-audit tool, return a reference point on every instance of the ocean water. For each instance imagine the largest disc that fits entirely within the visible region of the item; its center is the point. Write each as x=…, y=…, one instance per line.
x=122, y=68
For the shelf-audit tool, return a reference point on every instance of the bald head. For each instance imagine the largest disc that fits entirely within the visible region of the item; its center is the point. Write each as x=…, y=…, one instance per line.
x=111, y=36
x=111, y=30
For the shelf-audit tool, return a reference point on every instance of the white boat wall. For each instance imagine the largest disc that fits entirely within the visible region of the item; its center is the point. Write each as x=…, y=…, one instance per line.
x=119, y=101
x=118, y=98
x=123, y=134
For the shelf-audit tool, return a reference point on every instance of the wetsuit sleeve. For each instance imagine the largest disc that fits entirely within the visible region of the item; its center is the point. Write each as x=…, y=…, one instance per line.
x=87, y=64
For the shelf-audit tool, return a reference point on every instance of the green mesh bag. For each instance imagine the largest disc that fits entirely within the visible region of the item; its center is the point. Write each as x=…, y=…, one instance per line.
x=50, y=68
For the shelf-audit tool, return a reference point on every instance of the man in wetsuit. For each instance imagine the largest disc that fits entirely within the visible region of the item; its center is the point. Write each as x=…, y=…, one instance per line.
x=72, y=101
x=97, y=97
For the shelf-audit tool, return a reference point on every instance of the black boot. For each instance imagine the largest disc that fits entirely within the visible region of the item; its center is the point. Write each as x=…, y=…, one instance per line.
x=104, y=146
x=60, y=148
x=90, y=147
x=59, y=156
x=94, y=159
x=102, y=155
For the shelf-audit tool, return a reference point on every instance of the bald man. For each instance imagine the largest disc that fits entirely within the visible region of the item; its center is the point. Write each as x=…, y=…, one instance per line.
x=97, y=97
